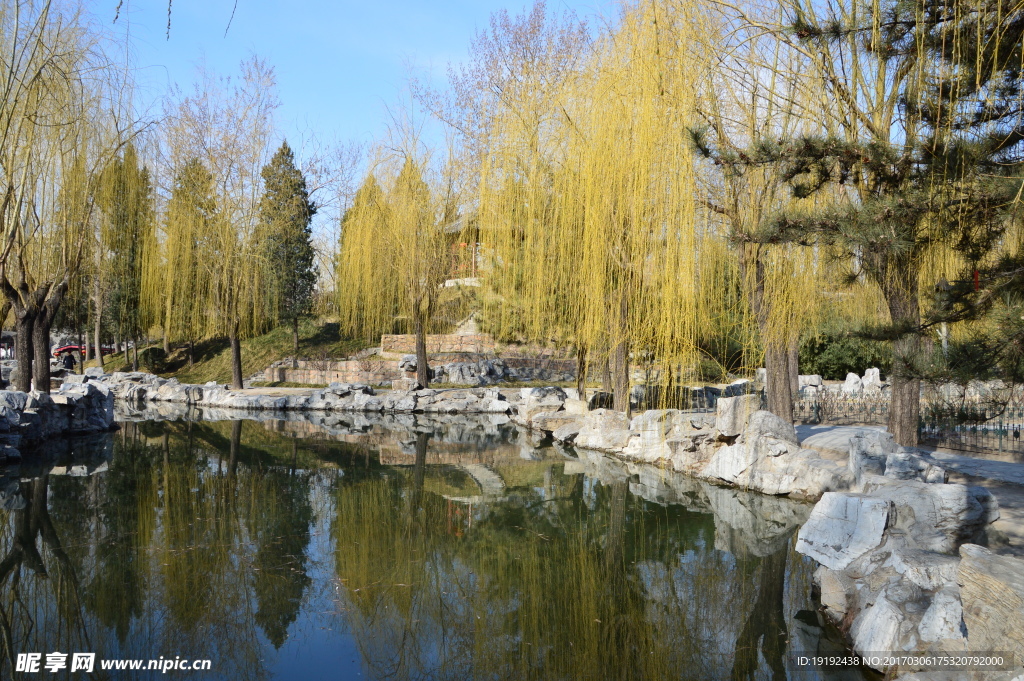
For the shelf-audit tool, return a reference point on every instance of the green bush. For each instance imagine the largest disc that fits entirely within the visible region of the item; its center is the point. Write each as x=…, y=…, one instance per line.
x=835, y=355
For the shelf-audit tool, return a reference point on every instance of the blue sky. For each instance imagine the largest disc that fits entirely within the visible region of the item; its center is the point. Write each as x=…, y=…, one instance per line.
x=338, y=64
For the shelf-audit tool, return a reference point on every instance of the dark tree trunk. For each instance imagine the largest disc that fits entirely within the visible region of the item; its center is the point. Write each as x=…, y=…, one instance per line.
x=794, y=367
x=98, y=328
x=41, y=355
x=81, y=354
x=422, y=368
x=135, y=354
x=777, y=386
x=905, y=405
x=581, y=372
x=606, y=376
x=24, y=324
x=41, y=336
x=236, y=359
x=295, y=343
x=127, y=357
x=620, y=354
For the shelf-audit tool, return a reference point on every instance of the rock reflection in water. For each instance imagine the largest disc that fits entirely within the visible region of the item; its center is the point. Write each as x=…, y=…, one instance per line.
x=397, y=548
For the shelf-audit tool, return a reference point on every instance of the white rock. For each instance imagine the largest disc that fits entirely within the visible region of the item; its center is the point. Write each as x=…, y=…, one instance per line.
x=944, y=618
x=877, y=628
x=872, y=379
x=842, y=527
x=732, y=413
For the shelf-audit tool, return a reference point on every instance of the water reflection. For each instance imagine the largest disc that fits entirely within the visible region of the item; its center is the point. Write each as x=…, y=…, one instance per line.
x=399, y=549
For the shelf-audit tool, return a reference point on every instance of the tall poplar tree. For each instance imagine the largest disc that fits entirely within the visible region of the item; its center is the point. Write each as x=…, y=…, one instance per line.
x=286, y=214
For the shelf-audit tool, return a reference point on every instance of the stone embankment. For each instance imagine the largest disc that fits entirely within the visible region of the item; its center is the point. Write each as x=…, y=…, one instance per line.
x=902, y=563
x=76, y=408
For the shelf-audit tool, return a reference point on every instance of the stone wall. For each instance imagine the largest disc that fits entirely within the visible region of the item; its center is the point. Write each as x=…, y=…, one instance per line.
x=371, y=372
x=438, y=343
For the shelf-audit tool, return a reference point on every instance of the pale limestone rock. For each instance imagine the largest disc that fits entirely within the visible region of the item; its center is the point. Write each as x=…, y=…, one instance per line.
x=732, y=413
x=906, y=464
x=935, y=517
x=992, y=593
x=553, y=420
x=872, y=379
x=877, y=628
x=869, y=449
x=852, y=385
x=926, y=569
x=834, y=587
x=842, y=527
x=604, y=430
x=575, y=405
x=536, y=400
x=944, y=618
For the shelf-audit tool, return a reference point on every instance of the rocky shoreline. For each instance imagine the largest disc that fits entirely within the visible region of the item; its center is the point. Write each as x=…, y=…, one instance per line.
x=78, y=407
x=903, y=567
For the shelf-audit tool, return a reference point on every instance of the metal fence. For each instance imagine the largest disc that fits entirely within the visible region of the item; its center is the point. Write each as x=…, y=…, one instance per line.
x=990, y=430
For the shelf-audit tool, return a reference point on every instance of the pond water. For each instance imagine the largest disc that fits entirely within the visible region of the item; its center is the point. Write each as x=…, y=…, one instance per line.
x=394, y=548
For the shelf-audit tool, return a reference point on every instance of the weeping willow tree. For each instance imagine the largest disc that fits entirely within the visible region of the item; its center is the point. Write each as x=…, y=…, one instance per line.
x=224, y=127
x=593, y=212
x=394, y=258
x=758, y=90
x=62, y=120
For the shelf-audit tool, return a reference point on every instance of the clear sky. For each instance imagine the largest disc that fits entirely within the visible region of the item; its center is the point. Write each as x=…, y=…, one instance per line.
x=338, y=62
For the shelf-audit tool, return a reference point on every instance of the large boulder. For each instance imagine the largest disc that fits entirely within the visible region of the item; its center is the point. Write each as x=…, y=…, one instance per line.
x=852, y=385
x=992, y=593
x=869, y=449
x=936, y=517
x=768, y=459
x=732, y=413
x=604, y=430
x=842, y=528
x=533, y=401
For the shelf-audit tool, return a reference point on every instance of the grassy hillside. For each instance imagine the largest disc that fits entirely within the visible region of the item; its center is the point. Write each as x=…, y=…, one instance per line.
x=212, y=358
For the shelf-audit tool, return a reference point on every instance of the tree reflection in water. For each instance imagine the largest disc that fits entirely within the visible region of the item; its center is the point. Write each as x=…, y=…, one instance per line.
x=200, y=538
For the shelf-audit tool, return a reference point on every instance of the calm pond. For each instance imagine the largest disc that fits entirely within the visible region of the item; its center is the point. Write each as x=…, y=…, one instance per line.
x=392, y=548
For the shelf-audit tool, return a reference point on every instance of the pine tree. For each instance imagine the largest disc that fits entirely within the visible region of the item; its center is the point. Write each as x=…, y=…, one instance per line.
x=286, y=214
x=926, y=117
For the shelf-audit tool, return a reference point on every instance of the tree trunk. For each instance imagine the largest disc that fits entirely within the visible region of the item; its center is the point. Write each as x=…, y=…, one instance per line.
x=127, y=357
x=794, y=367
x=167, y=344
x=777, y=386
x=581, y=372
x=81, y=354
x=135, y=354
x=606, y=376
x=41, y=355
x=620, y=354
x=905, y=405
x=41, y=336
x=97, y=300
x=422, y=368
x=236, y=359
x=25, y=321
x=295, y=343
x=85, y=353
